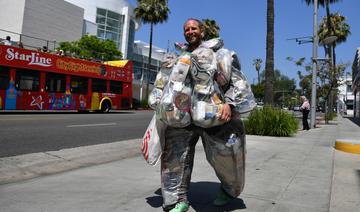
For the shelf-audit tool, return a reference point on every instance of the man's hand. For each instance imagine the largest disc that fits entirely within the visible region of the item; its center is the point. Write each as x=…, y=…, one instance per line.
x=225, y=113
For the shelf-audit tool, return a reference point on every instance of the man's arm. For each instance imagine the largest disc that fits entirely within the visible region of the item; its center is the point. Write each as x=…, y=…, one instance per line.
x=238, y=94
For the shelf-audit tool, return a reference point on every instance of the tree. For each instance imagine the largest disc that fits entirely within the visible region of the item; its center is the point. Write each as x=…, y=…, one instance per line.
x=329, y=78
x=340, y=29
x=284, y=88
x=92, y=48
x=329, y=23
x=325, y=3
x=257, y=63
x=258, y=91
x=211, y=29
x=151, y=12
x=269, y=64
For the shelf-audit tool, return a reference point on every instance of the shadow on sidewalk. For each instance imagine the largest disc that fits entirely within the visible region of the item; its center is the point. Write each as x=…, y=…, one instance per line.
x=355, y=120
x=201, y=196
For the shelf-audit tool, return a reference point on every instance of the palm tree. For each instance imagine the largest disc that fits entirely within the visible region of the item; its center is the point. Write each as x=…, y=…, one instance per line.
x=269, y=64
x=341, y=30
x=211, y=29
x=257, y=63
x=151, y=12
x=325, y=3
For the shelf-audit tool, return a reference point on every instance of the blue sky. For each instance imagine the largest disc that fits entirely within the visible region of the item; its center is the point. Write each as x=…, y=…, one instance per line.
x=243, y=28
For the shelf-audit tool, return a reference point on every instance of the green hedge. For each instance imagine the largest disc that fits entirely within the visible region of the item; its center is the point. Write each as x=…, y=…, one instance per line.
x=268, y=121
x=330, y=116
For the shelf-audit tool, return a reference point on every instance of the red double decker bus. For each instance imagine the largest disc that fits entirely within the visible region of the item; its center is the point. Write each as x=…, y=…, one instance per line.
x=32, y=80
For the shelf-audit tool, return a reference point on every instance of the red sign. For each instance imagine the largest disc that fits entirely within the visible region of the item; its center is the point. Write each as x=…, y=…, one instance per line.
x=27, y=59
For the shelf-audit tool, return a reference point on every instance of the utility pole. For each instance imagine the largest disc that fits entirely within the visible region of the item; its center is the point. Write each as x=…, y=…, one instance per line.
x=314, y=68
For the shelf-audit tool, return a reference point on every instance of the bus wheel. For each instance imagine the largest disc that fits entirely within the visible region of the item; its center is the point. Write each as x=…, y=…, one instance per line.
x=105, y=106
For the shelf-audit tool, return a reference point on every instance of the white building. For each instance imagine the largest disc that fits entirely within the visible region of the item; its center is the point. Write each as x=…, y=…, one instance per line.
x=140, y=61
x=345, y=102
x=356, y=83
x=110, y=19
x=39, y=22
x=68, y=20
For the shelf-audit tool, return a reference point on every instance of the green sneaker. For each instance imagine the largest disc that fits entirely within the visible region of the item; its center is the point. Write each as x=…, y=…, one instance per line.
x=180, y=207
x=222, y=199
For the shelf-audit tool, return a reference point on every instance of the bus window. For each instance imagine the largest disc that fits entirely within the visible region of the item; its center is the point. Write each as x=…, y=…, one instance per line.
x=27, y=80
x=99, y=85
x=55, y=82
x=4, y=78
x=79, y=85
x=116, y=87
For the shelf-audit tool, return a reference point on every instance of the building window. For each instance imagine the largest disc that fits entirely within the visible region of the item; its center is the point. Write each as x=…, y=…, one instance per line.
x=79, y=85
x=27, y=80
x=55, y=82
x=110, y=25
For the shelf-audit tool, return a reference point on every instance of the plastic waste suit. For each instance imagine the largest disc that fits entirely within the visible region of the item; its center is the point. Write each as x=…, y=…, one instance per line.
x=215, y=78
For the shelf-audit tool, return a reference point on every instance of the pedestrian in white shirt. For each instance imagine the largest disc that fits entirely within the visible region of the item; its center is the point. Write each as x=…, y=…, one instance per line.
x=305, y=108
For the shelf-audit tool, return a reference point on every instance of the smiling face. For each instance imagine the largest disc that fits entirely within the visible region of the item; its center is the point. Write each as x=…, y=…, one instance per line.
x=193, y=34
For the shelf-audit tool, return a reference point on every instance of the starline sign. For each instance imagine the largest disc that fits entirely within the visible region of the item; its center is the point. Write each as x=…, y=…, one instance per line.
x=33, y=58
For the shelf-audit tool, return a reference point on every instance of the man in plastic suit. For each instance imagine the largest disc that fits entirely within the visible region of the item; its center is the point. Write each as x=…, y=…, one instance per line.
x=201, y=93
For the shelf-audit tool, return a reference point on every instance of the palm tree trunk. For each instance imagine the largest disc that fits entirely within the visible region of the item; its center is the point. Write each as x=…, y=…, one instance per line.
x=149, y=63
x=269, y=65
x=258, y=77
x=329, y=23
x=333, y=55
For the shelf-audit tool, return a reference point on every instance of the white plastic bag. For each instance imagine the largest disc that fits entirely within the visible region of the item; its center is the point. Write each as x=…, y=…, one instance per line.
x=151, y=145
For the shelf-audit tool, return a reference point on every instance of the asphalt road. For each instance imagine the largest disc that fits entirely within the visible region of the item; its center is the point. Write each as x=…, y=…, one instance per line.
x=22, y=133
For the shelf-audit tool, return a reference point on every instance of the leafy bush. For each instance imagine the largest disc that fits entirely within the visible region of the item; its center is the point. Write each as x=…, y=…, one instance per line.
x=330, y=116
x=144, y=104
x=268, y=121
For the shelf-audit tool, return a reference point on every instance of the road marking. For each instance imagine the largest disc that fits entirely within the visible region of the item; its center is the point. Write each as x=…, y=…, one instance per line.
x=92, y=125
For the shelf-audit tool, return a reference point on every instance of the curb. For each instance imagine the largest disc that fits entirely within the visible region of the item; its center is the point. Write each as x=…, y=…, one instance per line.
x=347, y=145
x=24, y=167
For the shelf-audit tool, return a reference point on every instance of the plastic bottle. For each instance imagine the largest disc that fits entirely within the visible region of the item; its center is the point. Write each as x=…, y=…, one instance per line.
x=231, y=140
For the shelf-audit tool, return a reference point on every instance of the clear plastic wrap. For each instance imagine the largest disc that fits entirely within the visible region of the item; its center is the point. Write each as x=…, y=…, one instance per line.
x=174, y=106
x=239, y=92
x=224, y=60
x=231, y=79
x=162, y=79
x=207, y=100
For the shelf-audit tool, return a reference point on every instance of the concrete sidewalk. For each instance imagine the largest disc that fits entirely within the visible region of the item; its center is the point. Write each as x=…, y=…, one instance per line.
x=282, y=174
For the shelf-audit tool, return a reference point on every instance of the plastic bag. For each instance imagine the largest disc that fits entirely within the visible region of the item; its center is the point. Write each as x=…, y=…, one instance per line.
x=239, y=90
x=207, y=99
x=174, y=106
x=162, y=79
x=151, y=145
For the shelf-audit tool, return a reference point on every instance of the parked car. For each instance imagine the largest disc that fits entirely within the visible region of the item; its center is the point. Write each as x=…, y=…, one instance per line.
x=296, y=108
